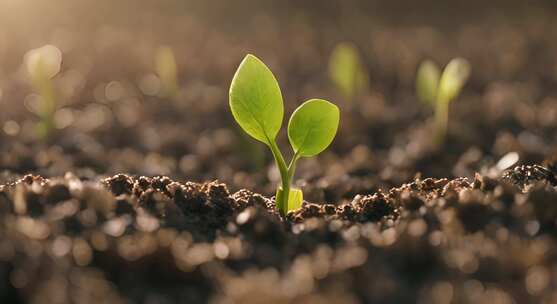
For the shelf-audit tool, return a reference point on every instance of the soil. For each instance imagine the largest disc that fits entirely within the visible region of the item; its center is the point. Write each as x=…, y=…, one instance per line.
x=139, y=239
x=141, y=198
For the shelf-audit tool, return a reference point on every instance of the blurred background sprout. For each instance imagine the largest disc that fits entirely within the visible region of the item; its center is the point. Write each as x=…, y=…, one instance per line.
x=165, y=64
x=42, y=65
x=347, y=71
x=427, y=81
x=438, y=90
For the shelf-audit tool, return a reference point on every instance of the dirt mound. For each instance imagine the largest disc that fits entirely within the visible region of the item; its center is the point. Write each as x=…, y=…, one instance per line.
x=155, y=240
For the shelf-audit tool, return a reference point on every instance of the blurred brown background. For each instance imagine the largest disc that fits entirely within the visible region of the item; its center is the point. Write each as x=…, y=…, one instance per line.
x=109, y=124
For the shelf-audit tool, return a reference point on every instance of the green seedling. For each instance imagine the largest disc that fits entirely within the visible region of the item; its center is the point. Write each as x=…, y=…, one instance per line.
x=42, y=65
x=167, y=70
x=257, y=106
x=427, y=81
x=347, y=71
x=438, y=90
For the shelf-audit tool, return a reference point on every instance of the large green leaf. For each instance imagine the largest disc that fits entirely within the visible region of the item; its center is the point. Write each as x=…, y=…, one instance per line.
x=313, y=127
x=427, y=80
x=454, y=77
x=256, y=100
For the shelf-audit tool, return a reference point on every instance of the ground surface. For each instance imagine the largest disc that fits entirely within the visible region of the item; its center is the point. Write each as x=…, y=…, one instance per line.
x=154, y=240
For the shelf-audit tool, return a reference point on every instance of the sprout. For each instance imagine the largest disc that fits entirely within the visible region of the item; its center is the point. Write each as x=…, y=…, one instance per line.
x=439, y=91
x=452, y=80
x=257, y=106
x=427, y=81
x=167, y=71
x=42, y=65
x=347, y=71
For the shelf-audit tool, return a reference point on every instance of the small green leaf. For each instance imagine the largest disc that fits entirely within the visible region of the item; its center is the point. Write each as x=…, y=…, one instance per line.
x=313, y=127
x=427, y=80
x=346, y=70
x=454, y=77
x=256, y=100
x=295, y=199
